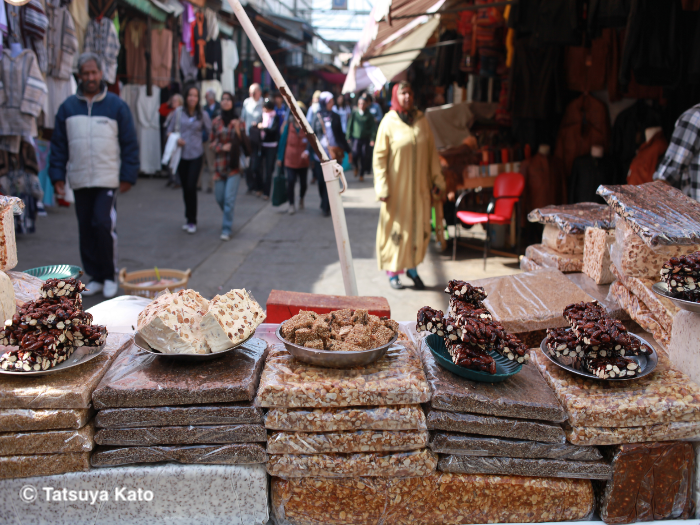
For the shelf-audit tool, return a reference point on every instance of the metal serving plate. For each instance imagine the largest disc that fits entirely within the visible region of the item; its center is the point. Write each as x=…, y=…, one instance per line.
x=78, y=357
x=646, y=362
x=662, y=290
x=329, y=359
x=143, y=345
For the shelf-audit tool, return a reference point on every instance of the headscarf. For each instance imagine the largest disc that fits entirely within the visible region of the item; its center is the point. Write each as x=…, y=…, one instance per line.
x=323, y=100
x=406, y=116
x=227, y=115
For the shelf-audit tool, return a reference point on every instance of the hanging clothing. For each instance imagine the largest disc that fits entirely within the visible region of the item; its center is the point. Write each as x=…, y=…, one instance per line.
x=607, y=13
x=3, y=25
x=19, y=177
x=549, y=22
x=61, y=39
x=545, y=182
x=213, y=55
x=199, y=37
x=22, y=94
x=81, y=18
x=585, y=124
x=589, y=172
x=187, y=21
x=628, y=134
x=135, y=46
x=148, y=129
x=187, y=66
x=101, y=38
x=587, y=67
x=229, y=62
x=27, y=26
x=647, y=160
x=680, y=166
x=537, y=87
x=212, y=24
x=161, y=56
x=406, y=169
x=102, y=8
x=58, y=91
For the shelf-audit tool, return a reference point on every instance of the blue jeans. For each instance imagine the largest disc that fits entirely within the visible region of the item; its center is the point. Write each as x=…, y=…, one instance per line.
x=225, y=191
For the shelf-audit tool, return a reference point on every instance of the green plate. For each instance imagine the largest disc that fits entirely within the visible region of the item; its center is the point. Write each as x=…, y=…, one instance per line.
x=504, y=367
x=56, y=271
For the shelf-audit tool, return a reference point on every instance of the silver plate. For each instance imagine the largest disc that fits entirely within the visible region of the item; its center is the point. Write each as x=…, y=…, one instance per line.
x=646, y=362
x=143, y=345
x=329, y=359
x=78, y=357
x=662, y=290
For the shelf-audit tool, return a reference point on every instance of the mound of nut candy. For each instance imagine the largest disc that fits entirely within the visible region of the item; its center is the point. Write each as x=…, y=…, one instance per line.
x=595, y=343
x=469, y=330
x=339, y=331
x=45, y=332
x=681, y=275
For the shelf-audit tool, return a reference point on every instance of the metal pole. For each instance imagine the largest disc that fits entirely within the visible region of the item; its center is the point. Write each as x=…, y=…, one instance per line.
x=332, y=172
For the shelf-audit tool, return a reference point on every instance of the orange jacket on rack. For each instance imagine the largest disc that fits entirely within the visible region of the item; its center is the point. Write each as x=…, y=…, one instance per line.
x=644, y=164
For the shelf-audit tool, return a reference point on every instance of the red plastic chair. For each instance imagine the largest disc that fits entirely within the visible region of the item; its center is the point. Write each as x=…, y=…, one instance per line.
x=506, y=200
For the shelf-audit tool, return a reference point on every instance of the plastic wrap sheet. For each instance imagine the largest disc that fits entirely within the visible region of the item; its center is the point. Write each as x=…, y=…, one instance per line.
x=531, y=301
x=27, y=287
x=495, y=426
x=682, y=430
x=525, y=395
x=408, y=417
x=528, y=265
x=225, y=414
x=664, y=396
x=395, y=379
x=119, y=314
x=660, y=214
x=42, y=465
x=561, y=242
x=650, y=481
x=574, y=218
x=398, y=464
x=596, y=255
x=228, y=454
x=140, y=379
x=549, y=468
x=24, y=419
x=181, y=435
x=599, y=292
x=70, y=388
x=447, y=499
x=47, y=442
x=684, y=347
x=633, y=258
x=201, y=494
x=639, y=312
x=548, y=258
x=463, y=445
x=346, y=442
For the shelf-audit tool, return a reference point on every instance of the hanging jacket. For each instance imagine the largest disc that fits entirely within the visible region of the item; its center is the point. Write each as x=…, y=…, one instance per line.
x=26, y=26
x=587, y=174
x=647, y=160
x=199, y=37
x=101, y=38
x=628, y=135
x=544, y=182
x=62, y=41
x=22, y=93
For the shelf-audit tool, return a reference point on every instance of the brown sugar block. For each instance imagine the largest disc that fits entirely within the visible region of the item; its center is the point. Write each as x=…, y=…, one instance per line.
x=525, y=395
x=139, y=379
x=71, y=388
x=24, y=419
x=47, y=442
x=447, y=499
x=43, y=465
x=181, y=435
x=229, y=454
x=360, y=336
x=549, y=468
x=650, y=481
x=225, y=414
x=532, y=300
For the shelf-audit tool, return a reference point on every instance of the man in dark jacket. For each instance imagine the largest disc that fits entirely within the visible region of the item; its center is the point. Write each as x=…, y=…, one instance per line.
x=94, y=147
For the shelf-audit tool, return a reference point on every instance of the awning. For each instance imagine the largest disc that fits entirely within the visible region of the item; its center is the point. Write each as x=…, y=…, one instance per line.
x=331, y=78
x=172, y=7
x=148, y=8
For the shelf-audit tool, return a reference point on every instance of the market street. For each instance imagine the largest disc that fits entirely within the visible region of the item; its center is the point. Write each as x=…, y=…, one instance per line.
x=268, y=250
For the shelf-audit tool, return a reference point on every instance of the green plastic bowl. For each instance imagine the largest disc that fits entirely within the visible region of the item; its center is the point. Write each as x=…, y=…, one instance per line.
x=504, y=367
x=56, y=271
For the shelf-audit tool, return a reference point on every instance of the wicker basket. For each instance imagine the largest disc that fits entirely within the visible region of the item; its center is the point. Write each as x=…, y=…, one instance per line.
x=130, y=281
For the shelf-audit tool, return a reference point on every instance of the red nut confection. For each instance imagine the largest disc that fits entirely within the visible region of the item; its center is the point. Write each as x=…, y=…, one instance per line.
x=470, y=356
x=564, y=346
x=608, y=367
x=581, y=313
x=62, y=288
x=609, y=337
x=460, y=309
x=429, y=320
x=681, y=275
x=466, y=292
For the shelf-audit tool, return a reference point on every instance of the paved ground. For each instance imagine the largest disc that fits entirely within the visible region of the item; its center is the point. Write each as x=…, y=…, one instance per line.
x=269, y=250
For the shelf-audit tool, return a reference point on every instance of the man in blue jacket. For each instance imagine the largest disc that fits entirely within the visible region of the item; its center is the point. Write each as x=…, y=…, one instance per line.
x=94, y=147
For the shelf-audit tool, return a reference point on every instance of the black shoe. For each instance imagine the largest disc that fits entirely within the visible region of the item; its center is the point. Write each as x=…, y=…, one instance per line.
x=396, y=284
x=417, y=282
x=326, y=213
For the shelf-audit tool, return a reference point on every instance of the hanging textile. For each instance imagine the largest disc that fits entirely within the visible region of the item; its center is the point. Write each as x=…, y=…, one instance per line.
x=27, y=27
x=102, y=8
x=79, y=11
x=199, y=36
x=212, y=24
x=3, y=24
x=62, y=40
x=101, y=38
x=58, y=91
x=148, y=129
x=187, y=65
x=19, y=178
x=135, y=48
x=161, y=56
x=43, y=149
x=229, y=62
x=213, y=55
x=187, y=21
x=22, y=94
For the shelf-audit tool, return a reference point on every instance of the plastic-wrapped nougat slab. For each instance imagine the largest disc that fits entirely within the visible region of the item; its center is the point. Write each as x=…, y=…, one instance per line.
x=406, y=417
x=43, y=465
x=550, y=468
x=28, y=419
x=224, y=414
x=548, y=258
x=226, y=454
x=587, y=436
x=181, y=435
x=47, y=441
x=346, y=442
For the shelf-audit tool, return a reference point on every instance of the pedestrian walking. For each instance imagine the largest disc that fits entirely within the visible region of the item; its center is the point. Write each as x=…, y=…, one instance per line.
x=269, y=137
x=361, y=132
x=327, y=127
x=193, y=124
x=206, y=176
x=94, y=146
x=176, y=101
x=314, y=106
x=344, y=110
x=251, y=115
x=406, y=175
x=228, y=140
x=293, y=155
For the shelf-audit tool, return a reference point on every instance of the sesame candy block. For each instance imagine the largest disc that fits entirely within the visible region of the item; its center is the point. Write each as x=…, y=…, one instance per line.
x=360, y=336
x=465, y=291
x=429, y=320
x=681, y=275
x=62, y=288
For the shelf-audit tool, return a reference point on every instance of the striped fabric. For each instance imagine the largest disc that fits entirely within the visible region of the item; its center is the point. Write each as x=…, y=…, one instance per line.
x=22, y=94
x=62, y=41
x=101, y=38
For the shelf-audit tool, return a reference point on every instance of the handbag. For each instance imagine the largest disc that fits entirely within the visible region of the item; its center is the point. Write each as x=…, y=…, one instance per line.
x=173, y=152
x=279, y=188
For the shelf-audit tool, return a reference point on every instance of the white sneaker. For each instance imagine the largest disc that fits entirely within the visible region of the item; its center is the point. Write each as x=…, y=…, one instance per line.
x=292, y=209
x=93, y=288
x=110, y=289
x=225, y=237
x=191, y=228
x=185, y=226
